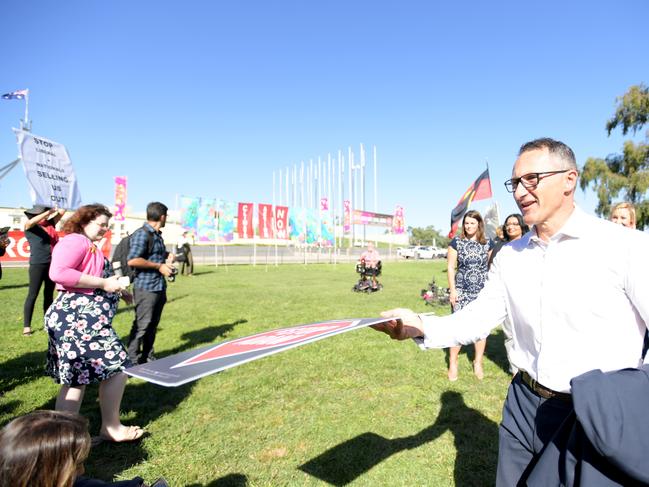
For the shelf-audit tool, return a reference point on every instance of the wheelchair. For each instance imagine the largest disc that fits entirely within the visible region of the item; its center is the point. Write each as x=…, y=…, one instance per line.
x=368, y=277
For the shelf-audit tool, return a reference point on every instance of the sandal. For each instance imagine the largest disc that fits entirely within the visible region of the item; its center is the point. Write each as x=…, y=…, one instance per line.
x=27, y=332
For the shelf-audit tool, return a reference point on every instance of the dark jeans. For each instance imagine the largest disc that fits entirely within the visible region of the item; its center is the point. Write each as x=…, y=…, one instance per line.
x=528, y=424
x=187, y=266
x=148, y=310
x=38, y=274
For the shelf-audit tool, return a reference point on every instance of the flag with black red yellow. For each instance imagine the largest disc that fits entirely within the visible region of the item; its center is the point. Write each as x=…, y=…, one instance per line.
x=479, y=190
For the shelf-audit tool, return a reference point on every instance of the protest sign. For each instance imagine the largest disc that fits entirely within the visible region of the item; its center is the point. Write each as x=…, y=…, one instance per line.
x=185, y=367
x=49, y=171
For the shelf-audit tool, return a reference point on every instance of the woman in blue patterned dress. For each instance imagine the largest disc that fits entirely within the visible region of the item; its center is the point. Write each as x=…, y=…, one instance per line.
x=468, y=257
x=83, y=346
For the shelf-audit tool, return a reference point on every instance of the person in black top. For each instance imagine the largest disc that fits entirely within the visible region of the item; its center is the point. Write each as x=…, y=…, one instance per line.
x=4, y=241
x=40, y=231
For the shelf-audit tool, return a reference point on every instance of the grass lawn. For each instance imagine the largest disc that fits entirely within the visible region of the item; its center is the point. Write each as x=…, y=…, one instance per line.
x=355, y=409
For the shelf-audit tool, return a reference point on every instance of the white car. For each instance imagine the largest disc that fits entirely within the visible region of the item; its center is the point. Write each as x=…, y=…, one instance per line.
x=430, y=253
x=406, y=252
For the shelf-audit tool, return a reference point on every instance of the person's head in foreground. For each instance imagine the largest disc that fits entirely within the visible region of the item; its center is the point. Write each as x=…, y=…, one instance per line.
x=514, y=227
x=624, y=214
x=473, y=226
x=89, y=220
x=543, y=182
x=43, y=449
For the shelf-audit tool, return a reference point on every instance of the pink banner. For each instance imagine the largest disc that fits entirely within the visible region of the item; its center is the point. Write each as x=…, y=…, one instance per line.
x=372, y=219
x=281, y=222
x=120, y=198
x=324, y=204
x=265, y=215
x=398, y=224
x=347, y=216
x=244, y=220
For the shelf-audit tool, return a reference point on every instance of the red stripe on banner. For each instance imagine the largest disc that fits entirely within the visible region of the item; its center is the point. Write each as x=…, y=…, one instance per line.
x=268, y=340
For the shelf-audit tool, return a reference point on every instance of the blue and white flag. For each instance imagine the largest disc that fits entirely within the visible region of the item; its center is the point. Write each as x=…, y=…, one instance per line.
x=16, y=95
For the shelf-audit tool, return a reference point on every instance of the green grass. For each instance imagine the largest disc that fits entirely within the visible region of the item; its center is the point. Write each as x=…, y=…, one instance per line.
x=355, y=409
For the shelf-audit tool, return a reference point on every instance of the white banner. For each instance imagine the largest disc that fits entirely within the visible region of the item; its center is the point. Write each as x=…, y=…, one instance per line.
x=49, y=171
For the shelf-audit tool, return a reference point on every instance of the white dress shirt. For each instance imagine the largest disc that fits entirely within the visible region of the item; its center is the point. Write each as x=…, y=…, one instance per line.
x=576, y=303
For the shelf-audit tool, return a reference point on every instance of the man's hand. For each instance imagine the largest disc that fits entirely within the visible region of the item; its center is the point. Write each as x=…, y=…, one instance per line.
x=165, y=270
x=406, y=324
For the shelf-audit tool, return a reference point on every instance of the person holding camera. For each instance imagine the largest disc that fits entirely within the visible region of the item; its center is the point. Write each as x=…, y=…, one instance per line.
x=147, y=253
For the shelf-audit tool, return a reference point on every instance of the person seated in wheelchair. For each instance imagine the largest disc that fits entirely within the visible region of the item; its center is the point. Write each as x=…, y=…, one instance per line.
x=370, y=263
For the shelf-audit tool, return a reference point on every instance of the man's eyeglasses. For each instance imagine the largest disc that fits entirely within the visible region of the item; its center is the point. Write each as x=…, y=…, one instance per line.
x=530, y=181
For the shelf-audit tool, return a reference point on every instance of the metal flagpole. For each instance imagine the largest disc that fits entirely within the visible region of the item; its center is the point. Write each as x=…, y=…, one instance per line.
x=274, y=223
x=362, y=183
x=350, y=176
x=375, y=179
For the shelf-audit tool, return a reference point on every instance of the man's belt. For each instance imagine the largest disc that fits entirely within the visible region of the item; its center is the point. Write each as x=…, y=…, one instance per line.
x=543, y=391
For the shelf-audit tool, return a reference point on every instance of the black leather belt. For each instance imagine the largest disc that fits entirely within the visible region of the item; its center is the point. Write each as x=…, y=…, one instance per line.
x=543, y=391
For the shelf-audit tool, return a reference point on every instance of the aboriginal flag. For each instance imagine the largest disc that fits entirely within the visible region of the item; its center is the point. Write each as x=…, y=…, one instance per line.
x=479, y=190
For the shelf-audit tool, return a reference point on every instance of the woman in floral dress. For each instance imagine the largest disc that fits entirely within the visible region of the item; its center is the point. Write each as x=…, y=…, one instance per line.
x=83, y=347
x=468, y=257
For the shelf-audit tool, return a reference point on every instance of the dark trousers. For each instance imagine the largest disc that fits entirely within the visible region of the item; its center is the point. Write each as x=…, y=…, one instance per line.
x=148, y=310
x=528, y=424
x=38, y=274
x=187, y=266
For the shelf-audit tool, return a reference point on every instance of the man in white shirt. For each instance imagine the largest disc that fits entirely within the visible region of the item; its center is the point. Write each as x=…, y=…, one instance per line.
x=576, y=290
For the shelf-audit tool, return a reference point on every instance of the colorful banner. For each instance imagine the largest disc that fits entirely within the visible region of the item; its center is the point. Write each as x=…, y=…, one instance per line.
x=184, y=367
x=326, y=231
x=324, y=204
x=312, y=226
x=226, y=211
x=120, y=198
x=265, y=217
x=297, y=224
x=244, y=220
x=18, y=249
x=281, y=222
x=49, y=171
x=399, y=223
x=206, y=219
x=189, y=212
x=347, y=216
x=372, y=219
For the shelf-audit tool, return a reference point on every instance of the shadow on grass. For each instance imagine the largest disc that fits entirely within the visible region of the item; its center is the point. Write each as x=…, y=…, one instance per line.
x=476, y=442
x=21, y=370
x=15, y=286
x=231, y=480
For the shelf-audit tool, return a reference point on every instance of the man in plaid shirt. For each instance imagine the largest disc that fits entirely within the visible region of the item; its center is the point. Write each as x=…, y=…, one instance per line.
x=147, y=253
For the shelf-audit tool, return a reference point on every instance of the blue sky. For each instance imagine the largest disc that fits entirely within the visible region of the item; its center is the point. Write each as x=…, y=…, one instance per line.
x=208, y=98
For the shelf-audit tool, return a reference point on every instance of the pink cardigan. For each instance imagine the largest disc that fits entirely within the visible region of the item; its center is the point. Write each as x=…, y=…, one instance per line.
x=74, y=255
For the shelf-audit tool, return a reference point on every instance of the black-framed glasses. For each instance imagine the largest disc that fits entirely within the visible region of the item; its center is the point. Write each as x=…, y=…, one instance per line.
x=530, y=180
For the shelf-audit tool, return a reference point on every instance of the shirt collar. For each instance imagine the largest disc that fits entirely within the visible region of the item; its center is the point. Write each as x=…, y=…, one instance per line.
x=575, y=227
x=148, y=226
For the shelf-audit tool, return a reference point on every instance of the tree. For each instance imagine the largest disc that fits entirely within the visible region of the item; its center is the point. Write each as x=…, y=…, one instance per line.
x=426, y=236
x=623, y=175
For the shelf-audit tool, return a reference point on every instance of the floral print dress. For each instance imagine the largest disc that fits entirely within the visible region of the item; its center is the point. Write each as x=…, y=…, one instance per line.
x=83, y=346
x=472, y=267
